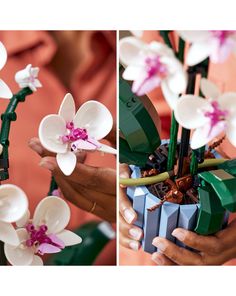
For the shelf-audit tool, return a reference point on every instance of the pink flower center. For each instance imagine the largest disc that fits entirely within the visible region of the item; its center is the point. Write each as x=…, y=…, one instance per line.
x=38, y=237
x=216, y=115
x=154, y=66
x=31, y=79
x=74, y=134
x=222, y=36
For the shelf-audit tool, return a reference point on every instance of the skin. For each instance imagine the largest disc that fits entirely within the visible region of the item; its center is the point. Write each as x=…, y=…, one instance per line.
x=85, y=186
x=212, y=250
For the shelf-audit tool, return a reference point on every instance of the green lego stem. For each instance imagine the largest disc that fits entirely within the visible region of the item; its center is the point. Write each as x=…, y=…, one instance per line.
x=53, y=186
x=174, y=124
x=3, y=259
x=7, y=117
x=166, y=175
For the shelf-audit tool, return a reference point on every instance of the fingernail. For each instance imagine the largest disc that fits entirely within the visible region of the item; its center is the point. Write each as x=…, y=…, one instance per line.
x=157, y=259
x=179, y=234
x=135, y=233
x=159, y=244
x=134, y=245
x=129, y=215
x=47, y=165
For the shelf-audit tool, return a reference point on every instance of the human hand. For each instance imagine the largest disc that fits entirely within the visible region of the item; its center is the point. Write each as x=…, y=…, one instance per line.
x=213, y=249
x=92, y=189
x=130, y=235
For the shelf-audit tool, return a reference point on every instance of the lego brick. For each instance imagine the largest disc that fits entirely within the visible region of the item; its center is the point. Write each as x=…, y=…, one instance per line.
x=168, y=220
x=229, y=166
x=187, y=219
x=151, y=223
x=211, y=212
x=139, y=204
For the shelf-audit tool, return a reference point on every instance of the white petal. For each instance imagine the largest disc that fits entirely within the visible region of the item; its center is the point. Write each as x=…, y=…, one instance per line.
x=20, y=255
x=51, y=128
x=201, y=136
x=95, y=118
x=137, y=33
x=24, y=220
x=66, y=162
x=227, y=101
x=170, y=97
x=53, y=212
x=37, y=261
x=194, y=36
x=129, y=50
x=3, y=55
x=209, y=89
x=188, y=111
x=69, y=238
x=132, y=72
x=67, y=108
x=197, y=53
x=13, y=203
x=160, y=49
x=177, y=82
x=8, y=234
x=5, y=91
x=107, y=149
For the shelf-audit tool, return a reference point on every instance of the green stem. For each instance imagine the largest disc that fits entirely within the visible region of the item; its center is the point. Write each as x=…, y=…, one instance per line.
x=164, y=176
x=53, y=186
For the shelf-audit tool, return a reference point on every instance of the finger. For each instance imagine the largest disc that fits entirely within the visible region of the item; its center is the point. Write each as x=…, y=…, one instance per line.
x=129, y=243
x=179, y=255
x=35, y=145
x=209, y=244
x=125, y=208
x=161, y=259
x=124, y=172
x=130, y=231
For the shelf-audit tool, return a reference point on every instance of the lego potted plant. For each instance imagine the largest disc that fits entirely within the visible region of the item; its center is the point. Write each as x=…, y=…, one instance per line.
x=177, y=182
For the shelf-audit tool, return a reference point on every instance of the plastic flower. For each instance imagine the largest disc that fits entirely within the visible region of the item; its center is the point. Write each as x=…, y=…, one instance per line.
x=44, y=234
x=209, y=117
x=28, y=77
x=13, y=206
x=152, y=65
x=214, y=44
x=68, y=132
x=5, y=91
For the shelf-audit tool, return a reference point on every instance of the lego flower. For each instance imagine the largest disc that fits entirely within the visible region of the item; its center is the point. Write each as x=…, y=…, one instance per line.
x=214, y=44
x=13, y=206
x=44, y=234
x=28, y=77
x=68, y=131
x=5, y=91
x=209, y=117
x=150, y=66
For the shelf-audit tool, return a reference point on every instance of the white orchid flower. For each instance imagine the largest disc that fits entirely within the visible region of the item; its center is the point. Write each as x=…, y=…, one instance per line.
x=44, y=234
x=137, y=33
x=28, y=77
x=209, y=117
x=152, y=65
x=5, y=91
x=13, y=206
x=71, y=131
x=214, y=44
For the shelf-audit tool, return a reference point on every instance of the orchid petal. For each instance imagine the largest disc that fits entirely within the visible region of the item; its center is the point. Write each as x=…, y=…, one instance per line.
x=13, y=203
x=24, y=220
x=3, y=55
x=51, y=128
x=95, y=118
x=107, y=149
x=145, y=85
x=48, y=249
x=170, y=97
x=56, y=240
x=8, y=234
x=209, y=89
x=189, y=111
x=194, y=36
x=67, y=108
x=227, y=102
x=132, y=72
x=201, y=136
x=53, y=212
x=177, y=82
x=37, y=261
x=69, y=238
x=129, y=50
x=137, y=33
x=82, y=145
x=5, y=91
x=161, y=49
x=197, y=53
x=66, y=162
x=20, y=255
